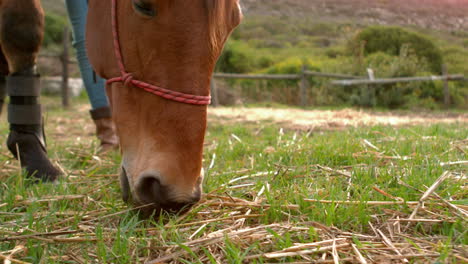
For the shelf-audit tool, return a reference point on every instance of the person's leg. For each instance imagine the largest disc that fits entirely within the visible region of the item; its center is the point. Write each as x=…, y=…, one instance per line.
x=20, y=40
x=95, y=86
x=77, y=12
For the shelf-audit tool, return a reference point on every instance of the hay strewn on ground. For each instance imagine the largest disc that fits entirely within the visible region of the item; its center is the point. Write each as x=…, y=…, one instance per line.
x=392, y=239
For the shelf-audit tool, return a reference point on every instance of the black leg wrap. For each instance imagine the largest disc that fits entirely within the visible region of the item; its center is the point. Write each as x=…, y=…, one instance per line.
x=22, y=114
x=2, y=92
x=26, y=140
x=24, y=85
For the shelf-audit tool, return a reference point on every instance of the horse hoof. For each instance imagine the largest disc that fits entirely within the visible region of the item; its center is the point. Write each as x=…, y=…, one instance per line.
x=32, y=156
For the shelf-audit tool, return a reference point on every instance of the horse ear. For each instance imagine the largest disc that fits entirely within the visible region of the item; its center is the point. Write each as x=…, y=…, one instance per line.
x=236, y=13
x=224, y=16
x=225, y=10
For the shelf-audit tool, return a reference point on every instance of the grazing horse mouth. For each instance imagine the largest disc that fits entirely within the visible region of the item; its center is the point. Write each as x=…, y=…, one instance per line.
x=152, y=198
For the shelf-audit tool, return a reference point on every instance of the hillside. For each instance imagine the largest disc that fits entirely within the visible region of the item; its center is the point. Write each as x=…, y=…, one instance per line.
x=448, y=15
x=435, y=14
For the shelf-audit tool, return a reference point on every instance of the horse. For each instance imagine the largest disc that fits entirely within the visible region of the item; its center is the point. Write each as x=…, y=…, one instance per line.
x=158, y=57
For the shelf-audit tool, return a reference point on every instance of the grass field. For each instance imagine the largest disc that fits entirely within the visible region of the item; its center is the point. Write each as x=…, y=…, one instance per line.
x=272, y=195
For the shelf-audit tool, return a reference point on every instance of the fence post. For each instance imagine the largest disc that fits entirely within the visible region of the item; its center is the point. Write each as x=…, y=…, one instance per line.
x=214, y=93
x=369, y=91
x=446, y=85
x=64, y=58
x=303, y=86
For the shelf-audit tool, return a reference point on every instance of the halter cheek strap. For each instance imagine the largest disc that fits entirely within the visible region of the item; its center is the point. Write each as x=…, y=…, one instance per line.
x=127, y=78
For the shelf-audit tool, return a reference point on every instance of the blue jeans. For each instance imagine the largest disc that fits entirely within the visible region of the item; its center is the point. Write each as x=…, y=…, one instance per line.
x=77, y=12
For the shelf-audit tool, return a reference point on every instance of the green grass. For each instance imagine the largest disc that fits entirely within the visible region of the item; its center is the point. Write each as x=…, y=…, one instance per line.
x=285, y=165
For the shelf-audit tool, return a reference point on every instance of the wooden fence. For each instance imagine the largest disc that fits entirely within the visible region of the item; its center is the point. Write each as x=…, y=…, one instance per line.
x=301, y=78
x=349, y=80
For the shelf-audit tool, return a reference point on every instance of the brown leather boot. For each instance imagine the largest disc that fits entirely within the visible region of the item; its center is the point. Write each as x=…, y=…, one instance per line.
x=105, y=129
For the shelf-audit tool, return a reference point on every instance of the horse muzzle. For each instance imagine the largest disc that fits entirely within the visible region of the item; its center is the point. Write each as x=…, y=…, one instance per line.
x=152, y=197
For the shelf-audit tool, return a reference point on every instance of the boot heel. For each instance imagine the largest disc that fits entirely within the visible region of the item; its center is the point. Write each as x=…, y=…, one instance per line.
x=105, y=129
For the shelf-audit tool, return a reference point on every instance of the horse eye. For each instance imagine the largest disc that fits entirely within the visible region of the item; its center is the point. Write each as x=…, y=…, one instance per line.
x=144, y=8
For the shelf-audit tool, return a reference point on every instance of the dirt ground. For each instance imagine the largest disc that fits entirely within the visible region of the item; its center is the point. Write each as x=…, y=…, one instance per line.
x=330, y=119
x=77, y=124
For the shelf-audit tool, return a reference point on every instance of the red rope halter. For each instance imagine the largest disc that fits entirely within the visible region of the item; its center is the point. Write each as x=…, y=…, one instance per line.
x=127, y=78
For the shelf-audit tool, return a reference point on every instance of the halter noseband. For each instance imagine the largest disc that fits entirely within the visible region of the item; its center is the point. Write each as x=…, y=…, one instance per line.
x=127, y=78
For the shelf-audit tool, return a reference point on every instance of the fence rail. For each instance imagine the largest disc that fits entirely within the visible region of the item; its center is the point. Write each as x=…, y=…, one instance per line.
x=283, y=76
x=257, y=76
x=454, y=77
x=333, y=75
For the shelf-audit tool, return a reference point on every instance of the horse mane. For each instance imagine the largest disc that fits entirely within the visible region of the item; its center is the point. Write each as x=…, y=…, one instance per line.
x=221, y=18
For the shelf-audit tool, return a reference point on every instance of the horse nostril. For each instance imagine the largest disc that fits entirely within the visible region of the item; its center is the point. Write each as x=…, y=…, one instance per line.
x=149, y=190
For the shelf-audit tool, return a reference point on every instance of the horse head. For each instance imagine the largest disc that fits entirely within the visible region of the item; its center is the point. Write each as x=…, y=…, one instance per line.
x=167, y=44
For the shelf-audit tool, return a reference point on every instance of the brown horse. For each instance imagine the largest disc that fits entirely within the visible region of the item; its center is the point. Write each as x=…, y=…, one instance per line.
x=170, y=46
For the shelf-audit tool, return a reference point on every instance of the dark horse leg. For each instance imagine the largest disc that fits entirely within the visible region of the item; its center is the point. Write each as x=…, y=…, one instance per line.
x=21, y=34
x=3, y=73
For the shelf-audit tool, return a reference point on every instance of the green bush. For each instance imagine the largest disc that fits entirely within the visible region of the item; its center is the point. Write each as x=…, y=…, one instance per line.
x=390, y=40
x=291, y=66
x=400, y=95
x=404, y=65
x=334, y=52
x=455, y=57
x=236, y=57
x=239, y=57
x=320, y=29
x=54, y=25
x=282, y=91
